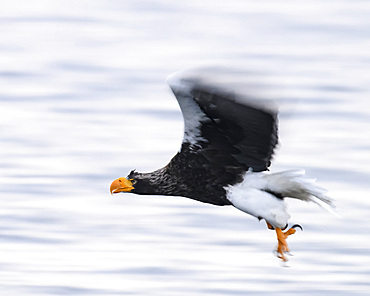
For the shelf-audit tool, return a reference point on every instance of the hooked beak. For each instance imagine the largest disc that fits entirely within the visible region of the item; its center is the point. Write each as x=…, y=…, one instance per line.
x=121, y=185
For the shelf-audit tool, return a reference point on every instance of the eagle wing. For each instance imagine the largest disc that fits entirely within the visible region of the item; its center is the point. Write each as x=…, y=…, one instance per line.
x=225, y=135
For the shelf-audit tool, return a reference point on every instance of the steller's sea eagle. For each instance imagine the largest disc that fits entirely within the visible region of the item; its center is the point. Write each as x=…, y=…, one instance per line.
x=227, y=148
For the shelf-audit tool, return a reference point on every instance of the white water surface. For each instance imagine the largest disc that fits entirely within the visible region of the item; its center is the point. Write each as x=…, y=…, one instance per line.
x=83, y=100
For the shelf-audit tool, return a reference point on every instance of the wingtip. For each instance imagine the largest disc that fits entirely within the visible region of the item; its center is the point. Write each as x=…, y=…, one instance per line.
x=243, y=86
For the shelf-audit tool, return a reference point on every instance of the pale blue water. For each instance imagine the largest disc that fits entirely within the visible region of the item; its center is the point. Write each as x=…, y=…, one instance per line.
x=83, y=101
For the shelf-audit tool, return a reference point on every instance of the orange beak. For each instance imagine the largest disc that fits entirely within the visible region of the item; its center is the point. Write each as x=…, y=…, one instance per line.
x=121, y=185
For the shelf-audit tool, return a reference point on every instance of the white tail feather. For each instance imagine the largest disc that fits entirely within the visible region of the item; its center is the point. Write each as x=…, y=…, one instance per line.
x=295, y=184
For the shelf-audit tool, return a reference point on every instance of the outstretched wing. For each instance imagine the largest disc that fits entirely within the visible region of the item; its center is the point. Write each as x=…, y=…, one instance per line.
x=225, y=135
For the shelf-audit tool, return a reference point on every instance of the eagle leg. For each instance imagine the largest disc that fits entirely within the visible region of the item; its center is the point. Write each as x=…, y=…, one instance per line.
x=282, y=247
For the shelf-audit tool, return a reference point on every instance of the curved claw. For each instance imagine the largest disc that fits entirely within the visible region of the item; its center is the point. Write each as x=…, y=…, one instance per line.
x=297, y=226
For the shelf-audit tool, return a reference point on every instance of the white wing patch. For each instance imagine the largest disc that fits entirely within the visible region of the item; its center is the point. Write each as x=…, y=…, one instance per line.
x=193, y=118
x=192, y=114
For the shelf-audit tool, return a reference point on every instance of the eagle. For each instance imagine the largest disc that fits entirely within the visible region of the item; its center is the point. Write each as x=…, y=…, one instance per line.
x=227, y=148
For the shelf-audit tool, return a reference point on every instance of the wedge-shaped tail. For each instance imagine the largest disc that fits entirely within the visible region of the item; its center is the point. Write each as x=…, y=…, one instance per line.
x=295, y=184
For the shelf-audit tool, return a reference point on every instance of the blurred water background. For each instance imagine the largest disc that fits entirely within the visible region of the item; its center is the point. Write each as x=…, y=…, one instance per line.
x=83, y=101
